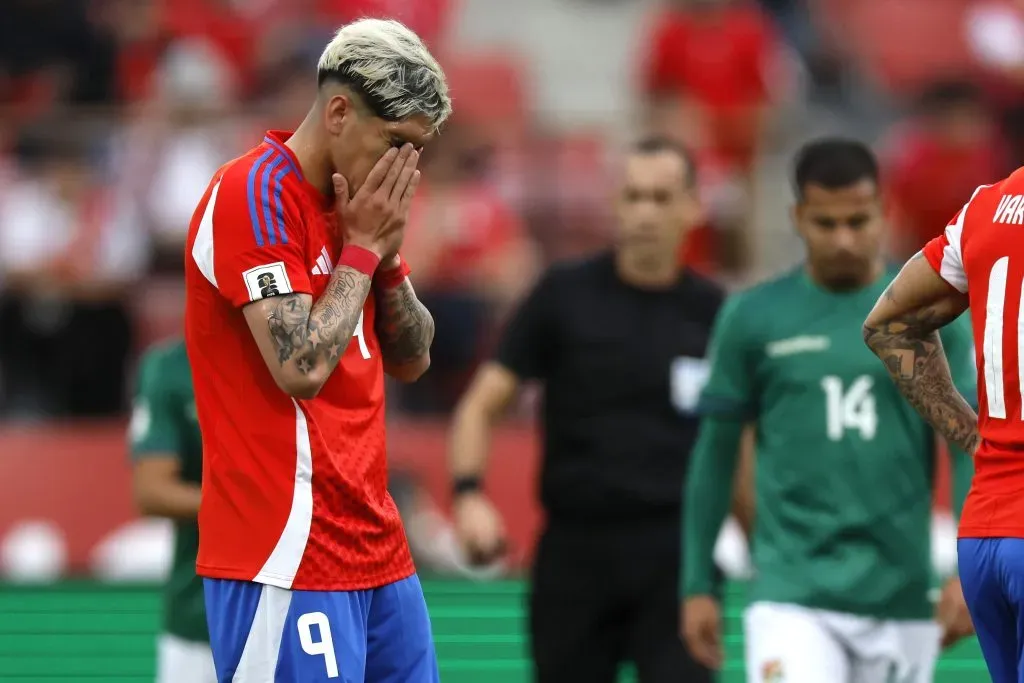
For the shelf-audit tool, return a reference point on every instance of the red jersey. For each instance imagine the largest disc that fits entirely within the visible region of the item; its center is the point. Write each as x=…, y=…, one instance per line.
x=981, y=253
x=294, y=491
x=724, y=59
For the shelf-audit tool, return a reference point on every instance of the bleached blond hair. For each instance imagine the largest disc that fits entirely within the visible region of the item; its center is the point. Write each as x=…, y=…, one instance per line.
x=390, y=67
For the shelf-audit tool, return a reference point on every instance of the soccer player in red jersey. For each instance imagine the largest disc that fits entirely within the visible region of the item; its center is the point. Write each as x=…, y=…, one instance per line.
x=977, y=263
x=297, y=304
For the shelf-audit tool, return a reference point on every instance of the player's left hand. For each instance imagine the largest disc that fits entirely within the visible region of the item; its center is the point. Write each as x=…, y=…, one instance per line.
x=375, y=216
x=952, y=614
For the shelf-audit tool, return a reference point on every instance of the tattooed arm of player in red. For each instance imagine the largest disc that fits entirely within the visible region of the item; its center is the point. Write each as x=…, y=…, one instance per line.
x=902, y=330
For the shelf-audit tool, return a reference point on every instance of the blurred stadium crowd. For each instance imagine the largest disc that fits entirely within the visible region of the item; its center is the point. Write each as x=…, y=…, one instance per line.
x=116, y=112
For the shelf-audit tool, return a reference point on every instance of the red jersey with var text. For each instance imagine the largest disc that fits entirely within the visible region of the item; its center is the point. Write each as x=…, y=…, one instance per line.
x=294, y=491
x=981, y=253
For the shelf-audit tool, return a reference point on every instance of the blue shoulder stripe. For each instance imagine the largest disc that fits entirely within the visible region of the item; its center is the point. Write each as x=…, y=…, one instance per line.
x=254, y=214
x=278, y=207
x=288, y=159
x=268, y=169
x=723, y=407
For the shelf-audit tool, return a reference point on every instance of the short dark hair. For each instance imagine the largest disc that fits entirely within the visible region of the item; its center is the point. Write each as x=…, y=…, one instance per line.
x=658, y=144
x=943, y=96
x=833, y=163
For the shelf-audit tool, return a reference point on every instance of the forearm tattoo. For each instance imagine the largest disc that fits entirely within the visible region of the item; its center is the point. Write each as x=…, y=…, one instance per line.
x=310, y=335
x=405, y=327
x=911, y=350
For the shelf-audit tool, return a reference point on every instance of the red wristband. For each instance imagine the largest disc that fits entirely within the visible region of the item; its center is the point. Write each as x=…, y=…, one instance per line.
x=389, y=279
x=358, y=258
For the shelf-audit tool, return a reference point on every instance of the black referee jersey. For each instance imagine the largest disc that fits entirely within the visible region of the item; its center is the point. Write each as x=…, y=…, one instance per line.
x=622, y=369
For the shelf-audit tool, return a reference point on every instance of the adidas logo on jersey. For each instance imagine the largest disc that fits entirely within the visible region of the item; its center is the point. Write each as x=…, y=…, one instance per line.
x=323, y=263
x=793, y=345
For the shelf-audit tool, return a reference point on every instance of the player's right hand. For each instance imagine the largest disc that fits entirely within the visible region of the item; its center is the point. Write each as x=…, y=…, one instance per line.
x=701, y=625
x=479, y=528
x=374, y=218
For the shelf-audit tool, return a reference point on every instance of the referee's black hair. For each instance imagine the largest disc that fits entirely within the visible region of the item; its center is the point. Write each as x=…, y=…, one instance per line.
x=833, y=163
x=656, y=144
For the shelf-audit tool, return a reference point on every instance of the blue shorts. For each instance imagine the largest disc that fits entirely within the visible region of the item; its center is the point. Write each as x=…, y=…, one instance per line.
x=992, y=577
x=264, y=634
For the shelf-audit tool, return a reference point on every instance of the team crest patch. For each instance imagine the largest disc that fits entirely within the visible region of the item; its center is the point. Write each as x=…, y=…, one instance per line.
x=771, y=671
x=267, y=280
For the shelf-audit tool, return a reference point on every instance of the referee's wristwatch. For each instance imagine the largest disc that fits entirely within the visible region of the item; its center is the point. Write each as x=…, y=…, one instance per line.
x=466, y=484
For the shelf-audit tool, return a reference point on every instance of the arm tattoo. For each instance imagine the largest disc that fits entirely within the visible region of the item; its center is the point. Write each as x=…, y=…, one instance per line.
x=405, y=327
x=311, y=335
x=911, y=350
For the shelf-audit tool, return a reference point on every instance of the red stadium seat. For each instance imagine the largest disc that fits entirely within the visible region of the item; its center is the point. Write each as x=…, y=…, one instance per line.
x=489, y=93
x=903, y=45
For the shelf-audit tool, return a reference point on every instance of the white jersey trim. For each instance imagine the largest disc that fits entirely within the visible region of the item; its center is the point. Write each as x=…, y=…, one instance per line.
x=952, y=267
x=202, y=248
x=283, y=563
x=263, y=645
x=992, y=338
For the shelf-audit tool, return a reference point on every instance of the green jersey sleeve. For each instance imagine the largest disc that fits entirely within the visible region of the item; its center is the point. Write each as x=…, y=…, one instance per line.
x=155, y=424
x=707, y=497
x=728, y=400
x=730, y=390
x=958, y=343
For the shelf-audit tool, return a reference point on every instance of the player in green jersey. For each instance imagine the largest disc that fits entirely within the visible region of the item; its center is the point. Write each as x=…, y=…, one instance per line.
x=844, y=466
x=167, y=451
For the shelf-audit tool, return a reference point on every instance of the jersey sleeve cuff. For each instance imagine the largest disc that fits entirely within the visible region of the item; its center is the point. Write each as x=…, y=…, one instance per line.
x=249, y=296
x=934, y=258
x=154, y=450
x=524, y=370
x=935, y=254
x=690, y=586
x=724, y=407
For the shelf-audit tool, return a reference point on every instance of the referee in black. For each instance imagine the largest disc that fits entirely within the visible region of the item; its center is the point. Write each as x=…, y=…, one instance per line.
x=618, y=342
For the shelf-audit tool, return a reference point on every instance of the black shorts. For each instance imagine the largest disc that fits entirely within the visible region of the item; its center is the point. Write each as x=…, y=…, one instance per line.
x=602, y=597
